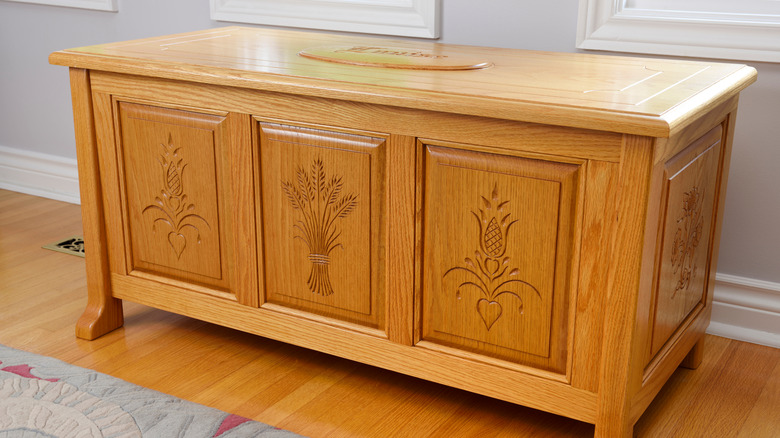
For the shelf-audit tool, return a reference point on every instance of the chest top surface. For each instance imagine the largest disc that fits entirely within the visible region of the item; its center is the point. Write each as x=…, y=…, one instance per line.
x=624, y=94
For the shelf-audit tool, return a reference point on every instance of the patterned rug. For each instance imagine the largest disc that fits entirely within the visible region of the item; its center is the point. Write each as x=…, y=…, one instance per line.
x=42, y=397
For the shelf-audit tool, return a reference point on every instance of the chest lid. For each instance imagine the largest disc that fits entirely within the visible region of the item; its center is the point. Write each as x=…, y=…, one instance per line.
x=624, y=94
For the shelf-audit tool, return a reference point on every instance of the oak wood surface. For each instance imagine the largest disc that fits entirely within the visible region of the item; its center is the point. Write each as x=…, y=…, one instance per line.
x=314, y=179
x=622, y=94
x=685, y=344
x=498, y=250
x=594, y=270
x=323, y=196
x=735, y=392
x=506, y=134
x=172, y=179
x=478, y=373
x=176, y=205
x=306, y=325
x=688, y=205
x=620, y=358
x=103, y=312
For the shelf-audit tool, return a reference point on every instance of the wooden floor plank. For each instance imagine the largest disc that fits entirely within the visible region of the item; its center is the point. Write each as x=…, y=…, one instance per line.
x=725, y=401
x=734, y=393
x=764, y=418
x=673, y=403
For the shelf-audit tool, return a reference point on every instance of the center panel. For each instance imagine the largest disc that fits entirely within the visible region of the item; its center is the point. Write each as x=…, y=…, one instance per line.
x=323, y=195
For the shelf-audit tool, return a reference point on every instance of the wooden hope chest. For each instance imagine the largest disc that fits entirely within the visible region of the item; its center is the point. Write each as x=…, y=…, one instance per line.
x=537, y=227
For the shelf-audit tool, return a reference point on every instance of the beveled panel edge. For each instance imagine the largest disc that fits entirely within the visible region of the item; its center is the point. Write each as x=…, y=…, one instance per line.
x=261, y=126
x=223, y=282
x=714, y=138
x=160, y=278
x=577, y=212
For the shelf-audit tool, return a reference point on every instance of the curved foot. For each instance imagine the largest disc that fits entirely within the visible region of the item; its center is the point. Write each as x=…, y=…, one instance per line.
x=99, y=319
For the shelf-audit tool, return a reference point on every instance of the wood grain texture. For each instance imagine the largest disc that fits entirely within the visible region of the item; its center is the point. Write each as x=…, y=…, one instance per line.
x=597, y=232
x=172, y=179
x=629, y=95
x=666, y=148
x=735, y=391
x=179, y=194
x=241, y=227
x=685, y=343
x=716, y=413
x=400, y=288
x=542, y=230
x=324, y=198
x=688, y=203
x=103, y=312
x=620, y=370
x=499, y=380
x=497, y=254
x=490, y=130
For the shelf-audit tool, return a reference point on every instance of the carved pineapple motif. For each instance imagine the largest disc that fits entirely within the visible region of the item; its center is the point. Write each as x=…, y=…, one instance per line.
x=172, y=206
x=489, y=270
x=493, y=241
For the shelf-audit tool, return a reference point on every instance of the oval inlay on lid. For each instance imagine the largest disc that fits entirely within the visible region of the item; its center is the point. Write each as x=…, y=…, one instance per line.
x=394, y=57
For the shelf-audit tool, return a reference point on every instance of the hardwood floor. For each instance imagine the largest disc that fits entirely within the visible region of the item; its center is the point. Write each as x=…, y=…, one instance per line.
x=734, y=393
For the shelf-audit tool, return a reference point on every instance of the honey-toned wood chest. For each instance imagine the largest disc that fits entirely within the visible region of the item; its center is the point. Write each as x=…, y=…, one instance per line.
x=537, y=227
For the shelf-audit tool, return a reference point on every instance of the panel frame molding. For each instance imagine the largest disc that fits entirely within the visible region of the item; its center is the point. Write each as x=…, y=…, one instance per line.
x=564, y=313
x=376, y=155
x=237, y=281
x=135, y=263
x=686, y=162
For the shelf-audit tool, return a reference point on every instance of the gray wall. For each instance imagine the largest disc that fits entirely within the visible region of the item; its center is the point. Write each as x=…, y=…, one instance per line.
x=35, y=112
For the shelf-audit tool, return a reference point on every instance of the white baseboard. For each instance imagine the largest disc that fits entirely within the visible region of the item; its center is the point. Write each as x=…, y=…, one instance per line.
x=746, y=309
x=742, y=308
x=34, y=173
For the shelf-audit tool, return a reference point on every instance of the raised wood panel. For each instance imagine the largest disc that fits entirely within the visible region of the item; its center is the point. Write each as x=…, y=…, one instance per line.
x=323, y=194
x=498, y=238
x=173, y=171
x=688, y=204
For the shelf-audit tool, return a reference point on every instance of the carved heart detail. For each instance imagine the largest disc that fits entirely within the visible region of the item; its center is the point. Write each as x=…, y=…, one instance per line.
x=178, y=242
x=490, y=311
x=492, y=266
x=175, y=203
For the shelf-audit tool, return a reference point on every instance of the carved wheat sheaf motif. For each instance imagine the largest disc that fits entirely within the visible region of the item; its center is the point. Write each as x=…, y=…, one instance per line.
x=489, y=271
x=172, y=206
x=690, y=226
x=321, y=203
